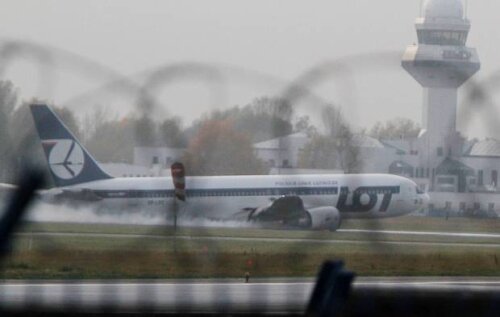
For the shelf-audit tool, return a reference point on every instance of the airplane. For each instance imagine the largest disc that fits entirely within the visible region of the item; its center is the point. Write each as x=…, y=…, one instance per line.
x=316, y=202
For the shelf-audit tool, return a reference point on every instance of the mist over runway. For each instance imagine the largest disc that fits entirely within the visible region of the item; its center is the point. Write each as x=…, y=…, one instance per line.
x=42, y=212
x=46, y=213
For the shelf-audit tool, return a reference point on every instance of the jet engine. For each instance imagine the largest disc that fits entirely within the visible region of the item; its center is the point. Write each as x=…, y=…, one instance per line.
x=321, y=218
x=290, y=211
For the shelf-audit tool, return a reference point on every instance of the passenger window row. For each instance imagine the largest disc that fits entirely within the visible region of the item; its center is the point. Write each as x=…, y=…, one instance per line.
x=220, y=192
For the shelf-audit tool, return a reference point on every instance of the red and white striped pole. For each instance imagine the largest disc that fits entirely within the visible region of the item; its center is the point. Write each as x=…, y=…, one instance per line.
x=179, y=179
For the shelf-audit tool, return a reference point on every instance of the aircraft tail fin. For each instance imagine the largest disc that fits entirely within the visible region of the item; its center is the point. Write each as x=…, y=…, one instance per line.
x=69, y=162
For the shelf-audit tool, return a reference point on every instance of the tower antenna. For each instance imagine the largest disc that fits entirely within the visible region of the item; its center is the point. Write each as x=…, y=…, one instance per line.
x=466, y=8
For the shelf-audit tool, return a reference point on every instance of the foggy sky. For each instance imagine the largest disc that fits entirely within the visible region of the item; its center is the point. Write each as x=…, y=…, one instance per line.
x=273, y=41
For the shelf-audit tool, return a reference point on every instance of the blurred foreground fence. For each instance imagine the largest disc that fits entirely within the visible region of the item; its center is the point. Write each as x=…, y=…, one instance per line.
x=212, y=294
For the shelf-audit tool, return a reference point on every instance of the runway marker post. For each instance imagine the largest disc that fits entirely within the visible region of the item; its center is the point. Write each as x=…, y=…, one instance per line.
x=179, y=179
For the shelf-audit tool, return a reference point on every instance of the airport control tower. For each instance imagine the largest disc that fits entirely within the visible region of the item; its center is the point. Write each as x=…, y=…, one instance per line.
x=441, y=62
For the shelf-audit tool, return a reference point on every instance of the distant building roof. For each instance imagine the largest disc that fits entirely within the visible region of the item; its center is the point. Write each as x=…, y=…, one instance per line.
x=301, y=139
x=401, y=168
x=283, y=142
x=453, y=167
x=366, y=141
x=467, y=146
x=158, y=149
x=402, y=145
x=303, y=171
x=487, y=147
x=124, y=169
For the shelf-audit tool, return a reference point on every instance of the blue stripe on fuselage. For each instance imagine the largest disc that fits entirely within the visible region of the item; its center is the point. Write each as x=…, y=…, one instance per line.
x=237, y=192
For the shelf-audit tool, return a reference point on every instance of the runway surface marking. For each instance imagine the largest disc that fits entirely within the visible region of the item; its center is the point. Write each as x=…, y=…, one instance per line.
x=294, y=240
x=425, y=233
x=81, y=283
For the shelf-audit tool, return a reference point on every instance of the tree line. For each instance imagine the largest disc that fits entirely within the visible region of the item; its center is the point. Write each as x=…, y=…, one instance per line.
x=218, y=143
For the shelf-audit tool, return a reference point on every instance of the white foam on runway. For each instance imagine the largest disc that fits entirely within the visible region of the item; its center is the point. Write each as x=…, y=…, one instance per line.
x=42, y=212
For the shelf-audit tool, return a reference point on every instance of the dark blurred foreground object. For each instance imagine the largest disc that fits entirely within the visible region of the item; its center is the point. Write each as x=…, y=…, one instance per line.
x=424, y=301
x=29, y=182
x=331, y=290
x=332, y=296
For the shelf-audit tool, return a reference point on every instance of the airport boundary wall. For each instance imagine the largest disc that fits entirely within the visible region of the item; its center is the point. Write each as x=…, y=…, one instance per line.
x=480, y=204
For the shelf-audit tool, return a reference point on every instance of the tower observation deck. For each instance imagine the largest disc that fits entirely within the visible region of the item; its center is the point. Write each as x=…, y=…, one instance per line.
x=440, y=62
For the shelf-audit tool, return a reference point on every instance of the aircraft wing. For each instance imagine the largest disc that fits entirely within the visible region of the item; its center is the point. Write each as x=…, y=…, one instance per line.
x=289, y=211
x=285, y=210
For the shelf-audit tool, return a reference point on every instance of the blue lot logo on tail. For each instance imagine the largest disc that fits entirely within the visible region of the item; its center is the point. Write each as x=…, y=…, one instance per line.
x=66, y=158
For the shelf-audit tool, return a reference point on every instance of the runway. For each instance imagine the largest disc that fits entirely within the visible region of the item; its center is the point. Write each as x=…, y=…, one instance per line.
x=162, y=296
x=490, y=245
x=283, y=295
x=425, y=233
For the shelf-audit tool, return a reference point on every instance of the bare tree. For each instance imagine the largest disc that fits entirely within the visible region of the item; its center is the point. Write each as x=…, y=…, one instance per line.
x=171, y=133
x=263, y=119
x=145, y=131
x=335, y=149
x=397, y=128
x=218, y=149
x=95, y=119
x=113, y=140
x=303, y=124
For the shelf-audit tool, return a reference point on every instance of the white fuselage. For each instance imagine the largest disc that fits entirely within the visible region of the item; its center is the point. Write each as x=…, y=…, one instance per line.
x=355, y=196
